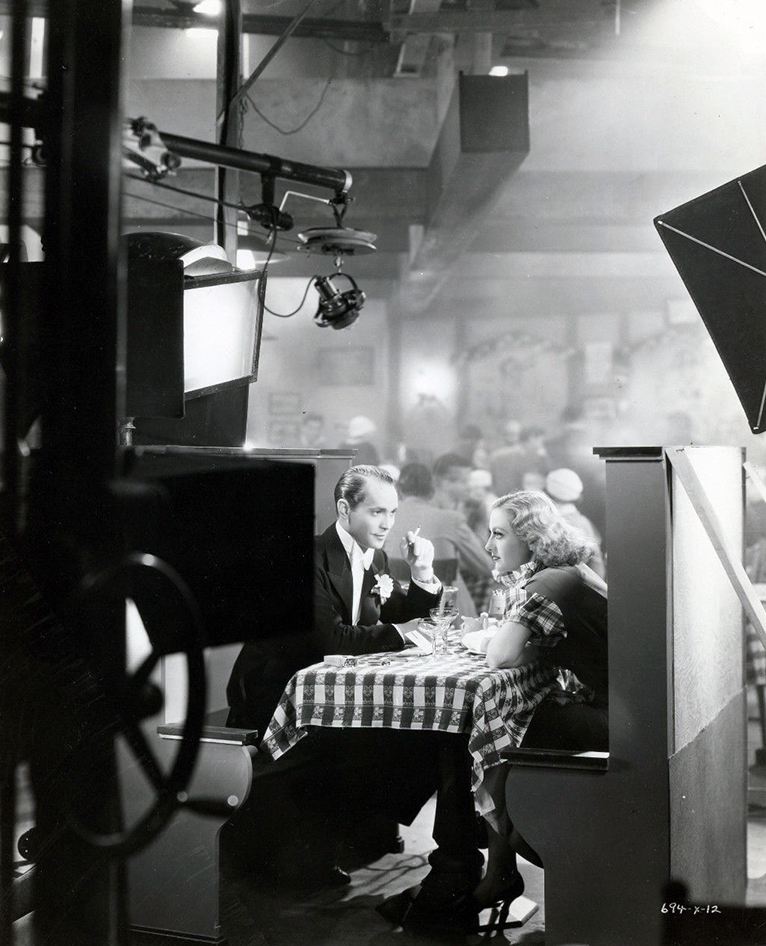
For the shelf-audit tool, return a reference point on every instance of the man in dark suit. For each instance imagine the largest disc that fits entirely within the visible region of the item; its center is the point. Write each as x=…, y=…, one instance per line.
x=359, y=607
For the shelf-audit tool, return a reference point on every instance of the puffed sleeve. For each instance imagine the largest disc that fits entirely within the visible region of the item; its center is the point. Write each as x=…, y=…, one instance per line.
x=543, y=618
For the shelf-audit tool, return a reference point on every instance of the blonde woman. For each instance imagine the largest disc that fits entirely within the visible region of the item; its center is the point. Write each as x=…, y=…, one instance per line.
x=556, y=610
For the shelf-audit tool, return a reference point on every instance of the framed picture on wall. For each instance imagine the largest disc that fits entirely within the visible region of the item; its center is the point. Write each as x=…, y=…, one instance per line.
x=284, y=403
x=284, y=433
x=335, y=366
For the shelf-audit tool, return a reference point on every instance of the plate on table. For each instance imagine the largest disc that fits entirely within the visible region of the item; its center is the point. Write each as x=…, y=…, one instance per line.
x=476, y=642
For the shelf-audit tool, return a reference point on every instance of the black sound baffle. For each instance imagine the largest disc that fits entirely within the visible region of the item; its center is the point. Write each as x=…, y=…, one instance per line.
x=718, y=245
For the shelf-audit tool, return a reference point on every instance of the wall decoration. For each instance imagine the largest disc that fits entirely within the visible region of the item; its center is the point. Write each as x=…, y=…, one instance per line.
x=337, y=366
x=284, y=403
x=678, y=390
x=517, y=349
x=514, y=374
x=284, y=433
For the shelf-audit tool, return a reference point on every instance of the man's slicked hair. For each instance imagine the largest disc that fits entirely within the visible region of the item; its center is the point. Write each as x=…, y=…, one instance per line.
x=352, y=484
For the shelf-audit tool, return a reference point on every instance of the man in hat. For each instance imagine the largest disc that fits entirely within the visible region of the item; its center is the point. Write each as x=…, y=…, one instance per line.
x=565, y=488
x=360, y=430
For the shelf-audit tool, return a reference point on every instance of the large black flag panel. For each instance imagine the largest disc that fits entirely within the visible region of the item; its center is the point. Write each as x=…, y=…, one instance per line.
x=718, y=245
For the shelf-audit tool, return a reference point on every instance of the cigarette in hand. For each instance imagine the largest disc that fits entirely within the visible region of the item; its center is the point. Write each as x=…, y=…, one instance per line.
x=414, y=535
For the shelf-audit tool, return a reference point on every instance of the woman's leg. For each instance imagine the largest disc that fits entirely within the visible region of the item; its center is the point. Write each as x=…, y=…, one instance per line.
x=502, y=880
x=576, y=727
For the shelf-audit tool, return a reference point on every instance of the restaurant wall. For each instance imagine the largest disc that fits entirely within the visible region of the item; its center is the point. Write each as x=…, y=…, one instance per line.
x=304, y=368
x=641, y=376
x=429, y=383
x=515, y=368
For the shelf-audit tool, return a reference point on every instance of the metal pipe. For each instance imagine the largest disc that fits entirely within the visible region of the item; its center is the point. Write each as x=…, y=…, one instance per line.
x=334, y=178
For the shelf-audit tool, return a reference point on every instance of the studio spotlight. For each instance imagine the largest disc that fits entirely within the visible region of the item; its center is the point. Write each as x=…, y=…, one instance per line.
x=337, y=309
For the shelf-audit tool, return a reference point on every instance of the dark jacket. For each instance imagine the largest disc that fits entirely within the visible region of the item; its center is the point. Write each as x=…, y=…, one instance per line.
x=264, y=667
x=334, y=632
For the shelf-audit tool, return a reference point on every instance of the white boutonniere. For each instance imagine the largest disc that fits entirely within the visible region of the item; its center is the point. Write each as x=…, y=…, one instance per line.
x=383, y=587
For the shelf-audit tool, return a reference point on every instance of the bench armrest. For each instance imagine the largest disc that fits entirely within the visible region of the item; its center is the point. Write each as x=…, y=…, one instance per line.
x=558, y=759
x=221, y=734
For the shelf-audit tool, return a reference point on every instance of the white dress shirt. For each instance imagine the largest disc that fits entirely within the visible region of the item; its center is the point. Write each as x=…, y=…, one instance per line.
x=360, y=561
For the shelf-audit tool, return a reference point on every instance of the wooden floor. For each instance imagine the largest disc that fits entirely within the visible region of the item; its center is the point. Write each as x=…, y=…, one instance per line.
x=259, y=913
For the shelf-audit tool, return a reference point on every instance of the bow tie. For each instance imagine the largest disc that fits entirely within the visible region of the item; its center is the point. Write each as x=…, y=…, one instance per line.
x=357, y=555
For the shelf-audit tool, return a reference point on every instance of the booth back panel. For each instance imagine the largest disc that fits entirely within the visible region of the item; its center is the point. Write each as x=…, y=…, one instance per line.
x=707, y=615
x=708, y=806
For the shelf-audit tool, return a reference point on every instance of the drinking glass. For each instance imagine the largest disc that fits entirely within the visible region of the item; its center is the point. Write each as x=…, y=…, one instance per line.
x=442, y=618
x=448, y=597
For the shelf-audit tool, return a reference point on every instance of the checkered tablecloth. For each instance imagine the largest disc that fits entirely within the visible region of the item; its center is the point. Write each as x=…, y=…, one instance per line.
x=455, y=692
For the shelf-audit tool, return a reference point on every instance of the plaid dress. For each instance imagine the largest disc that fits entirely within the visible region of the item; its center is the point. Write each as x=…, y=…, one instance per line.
x=545, y=622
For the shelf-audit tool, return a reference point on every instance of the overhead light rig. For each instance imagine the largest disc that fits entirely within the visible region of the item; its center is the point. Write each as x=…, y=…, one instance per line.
x=159, y=153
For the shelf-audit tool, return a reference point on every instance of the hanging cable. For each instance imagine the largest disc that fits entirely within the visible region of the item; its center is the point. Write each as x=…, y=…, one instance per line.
x=282, y=315
x=281, y=40
x=306, y=120
x=186, y=193
x=289, y=315
x=294, y=244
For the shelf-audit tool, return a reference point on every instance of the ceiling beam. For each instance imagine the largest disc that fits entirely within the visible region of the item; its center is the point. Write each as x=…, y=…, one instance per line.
x=362, y=31
x=414, y=49
x=514, y=22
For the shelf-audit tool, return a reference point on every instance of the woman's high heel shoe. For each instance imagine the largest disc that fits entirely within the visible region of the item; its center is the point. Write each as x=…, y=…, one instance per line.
x=498, y=920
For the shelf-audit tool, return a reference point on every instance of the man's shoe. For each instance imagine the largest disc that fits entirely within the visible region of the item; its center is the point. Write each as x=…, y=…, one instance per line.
x=337, y=877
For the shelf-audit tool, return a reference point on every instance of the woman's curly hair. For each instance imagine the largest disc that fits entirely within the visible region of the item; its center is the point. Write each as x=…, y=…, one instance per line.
x=536, y=520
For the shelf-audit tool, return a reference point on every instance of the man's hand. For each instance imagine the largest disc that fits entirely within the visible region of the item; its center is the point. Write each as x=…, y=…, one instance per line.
x=404, y=629
x=419, y=553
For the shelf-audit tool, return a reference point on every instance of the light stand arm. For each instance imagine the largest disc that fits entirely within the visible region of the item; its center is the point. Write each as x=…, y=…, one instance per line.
x=334, y=179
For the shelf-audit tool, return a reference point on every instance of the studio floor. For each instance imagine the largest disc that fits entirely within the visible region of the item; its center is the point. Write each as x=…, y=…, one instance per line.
x=258, y=912
x=280, y=917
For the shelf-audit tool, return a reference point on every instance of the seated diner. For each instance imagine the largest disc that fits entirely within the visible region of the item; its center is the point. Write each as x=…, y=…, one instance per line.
x=360, y=609
x=555, y=612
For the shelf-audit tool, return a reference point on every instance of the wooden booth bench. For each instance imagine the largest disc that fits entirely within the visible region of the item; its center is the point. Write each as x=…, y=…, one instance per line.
x=669, y=799
x=174, y=883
